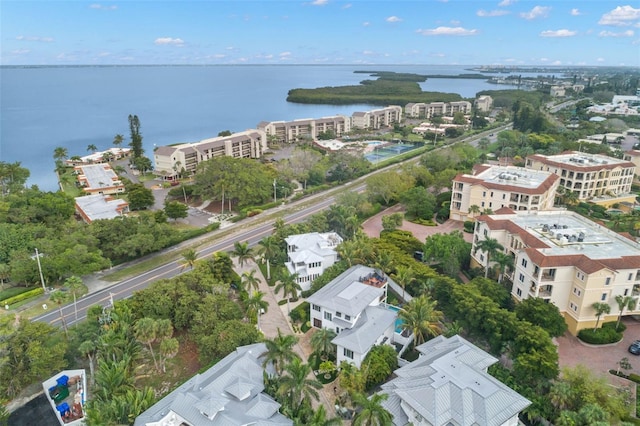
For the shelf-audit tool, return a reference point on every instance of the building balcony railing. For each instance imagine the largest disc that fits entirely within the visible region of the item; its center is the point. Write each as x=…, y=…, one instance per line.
x=547, y=277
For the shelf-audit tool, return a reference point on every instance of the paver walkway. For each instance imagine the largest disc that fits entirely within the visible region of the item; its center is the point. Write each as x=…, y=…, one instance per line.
x=276, y=318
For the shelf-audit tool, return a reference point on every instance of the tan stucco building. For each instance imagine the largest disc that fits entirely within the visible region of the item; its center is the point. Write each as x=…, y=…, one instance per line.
x=307, y=128
x=565, y=259
x=424, y=110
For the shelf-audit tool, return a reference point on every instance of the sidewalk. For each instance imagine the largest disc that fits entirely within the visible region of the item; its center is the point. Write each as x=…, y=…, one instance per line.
x=276, y=318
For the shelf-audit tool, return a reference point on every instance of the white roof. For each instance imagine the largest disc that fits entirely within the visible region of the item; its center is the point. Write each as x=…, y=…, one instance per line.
x=372, y=324
x=100, y=206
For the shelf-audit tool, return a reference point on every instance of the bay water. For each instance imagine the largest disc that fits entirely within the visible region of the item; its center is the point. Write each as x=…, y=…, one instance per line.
x=42, y=108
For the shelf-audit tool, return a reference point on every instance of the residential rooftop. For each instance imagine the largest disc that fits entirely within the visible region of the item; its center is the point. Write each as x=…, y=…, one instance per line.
x=582, y=160
x=512, y=176
x=370, y=326
x=100, y=206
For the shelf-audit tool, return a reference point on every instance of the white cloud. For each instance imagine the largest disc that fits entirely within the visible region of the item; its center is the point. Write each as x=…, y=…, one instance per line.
x=628, y=33
x=20, y=51
x=504, y=3
x=558, y=33
x=453, y=31
x=498, y=12
x=366, y=23
x=319, y=2
x=575, y=12
x=103, y=7
x=160, y=41
x=393, y=19
x=33, y=38
x=600, y=60
x=536, y=12
x=368, y=52
x=284, y=55
x=556, y=63
x=438, y=55
x=455, y=22
x=347, y=6
x=620, y=16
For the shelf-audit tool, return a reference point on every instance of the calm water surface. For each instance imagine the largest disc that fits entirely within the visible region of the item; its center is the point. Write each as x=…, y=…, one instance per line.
x=43, y=108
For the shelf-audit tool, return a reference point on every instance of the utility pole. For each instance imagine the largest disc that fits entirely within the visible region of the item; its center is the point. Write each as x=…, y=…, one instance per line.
x=40, y=271
x=275, y=199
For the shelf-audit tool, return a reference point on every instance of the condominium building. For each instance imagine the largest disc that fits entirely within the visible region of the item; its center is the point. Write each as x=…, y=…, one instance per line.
x=494, y=187
x=98, y=179
x=96, y=206
x=377, y=118
x=308, y=128
x=170, y=161
x=634, y=157
x=310, y=255
x=432, y=109
x=597, y=178
x=565, y=259
x=484, y=103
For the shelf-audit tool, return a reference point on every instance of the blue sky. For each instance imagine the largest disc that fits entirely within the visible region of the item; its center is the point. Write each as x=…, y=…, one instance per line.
x=504, y=32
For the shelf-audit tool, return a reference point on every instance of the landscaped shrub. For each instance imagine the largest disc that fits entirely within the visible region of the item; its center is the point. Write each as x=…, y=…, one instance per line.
x=23, y=296
x=612, y=324
x=13, y=291
x=634, y=377
x=469, y=226
x=300, y=314
x=601, y=336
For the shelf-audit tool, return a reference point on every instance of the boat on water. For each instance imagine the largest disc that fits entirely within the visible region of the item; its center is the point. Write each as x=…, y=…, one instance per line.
x=67, y=395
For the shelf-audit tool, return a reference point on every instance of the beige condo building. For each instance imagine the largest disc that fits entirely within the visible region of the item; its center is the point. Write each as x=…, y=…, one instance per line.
x=564, y=259
x=494, y=187
x=171, y=160
x=307, y=128
x=377, y=118
x=597, y=178
x=432, y=109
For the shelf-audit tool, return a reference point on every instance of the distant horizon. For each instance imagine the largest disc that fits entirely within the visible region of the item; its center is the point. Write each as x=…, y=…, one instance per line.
x=306, y=32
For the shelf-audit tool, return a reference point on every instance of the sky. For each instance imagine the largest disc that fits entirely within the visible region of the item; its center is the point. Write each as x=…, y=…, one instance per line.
x=225, y=32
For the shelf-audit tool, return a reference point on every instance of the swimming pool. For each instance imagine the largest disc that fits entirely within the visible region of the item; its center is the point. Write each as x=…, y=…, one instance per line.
x=375, y=143
x=399, y=323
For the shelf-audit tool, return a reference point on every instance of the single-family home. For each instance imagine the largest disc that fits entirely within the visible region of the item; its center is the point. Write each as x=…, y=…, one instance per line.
x=354, y=306
x=309, y=255
x=449, y=385
x=229, y=393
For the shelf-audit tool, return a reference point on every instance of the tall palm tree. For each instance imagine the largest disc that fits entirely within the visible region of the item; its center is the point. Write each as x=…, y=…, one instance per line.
x=59, y=298
x=145, y=330
x=319, y=418
x=289, y=286
x=168, y=349
x=88, y=348
x=503, y=261
x=280, y=351
x=321, y=341
x=250, y=281
x=255, y=305
x=427, y=286
x=404, y=276
x=372, y=413
x=490, y=246
x=421, y=317
x=295, y=384
x=92, y=148
x=627, y=302
x=243, y=252
x=269, y=249
x=474, y=209
x=60, y=153
x=189, y=257
x=76, y=288
x=384, y=261
x=117, y=140
x=600, y=308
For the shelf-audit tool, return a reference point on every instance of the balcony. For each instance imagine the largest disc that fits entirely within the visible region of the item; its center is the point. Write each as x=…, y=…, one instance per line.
x=542, y=291
x=548, y=275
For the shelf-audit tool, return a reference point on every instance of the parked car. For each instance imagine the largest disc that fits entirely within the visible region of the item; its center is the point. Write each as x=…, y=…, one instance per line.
x=635, y=348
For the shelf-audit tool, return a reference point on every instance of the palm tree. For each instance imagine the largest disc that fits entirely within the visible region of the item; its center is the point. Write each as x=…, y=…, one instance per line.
x=76, y=288
x=321, y=341
x=92, y=148
x=627, y=302
x=421, y=318
x=474, y=209
x=60, y=154
x=295, y=384
x=490, y=246
x=280, y=351
x=404, y=276
x=255, y=305
x=600, y=308
x=243, y=252
x=384, y=261
x=427, y=286
x=88, y=348
x=503, y=261
x=145, y=330
x=59, y=298
x=249, y=281
x=189, y=258
x=269, y=249
x=371, y=413
x=290, y=288
x=168, y=349
x=117, y=140
x=320, y=419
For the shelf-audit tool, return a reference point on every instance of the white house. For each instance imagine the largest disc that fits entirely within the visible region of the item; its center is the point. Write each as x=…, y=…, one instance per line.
x=449, y=385
x=310, y=254
x=354, y=305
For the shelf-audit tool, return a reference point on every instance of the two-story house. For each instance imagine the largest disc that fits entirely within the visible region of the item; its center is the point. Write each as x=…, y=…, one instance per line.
x=354, y=306
x=310, y=254
x=566, y=259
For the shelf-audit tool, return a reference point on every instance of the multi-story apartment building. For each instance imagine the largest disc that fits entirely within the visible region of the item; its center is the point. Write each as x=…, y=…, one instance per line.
x=634, y=157
x=171, y=160
x=377, y=118
x=493, y=187
x=424, y=110
x=484, y=103
x=310, y=254
x=597, y=178
x=565, y=259
x=308, y=128
x=98, y=179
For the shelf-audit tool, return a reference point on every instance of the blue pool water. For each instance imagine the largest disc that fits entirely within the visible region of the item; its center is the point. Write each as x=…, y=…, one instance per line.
x=399, y=322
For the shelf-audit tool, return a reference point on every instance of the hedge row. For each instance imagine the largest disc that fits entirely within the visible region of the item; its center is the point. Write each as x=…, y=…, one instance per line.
x=601, y=336
x=23, y=296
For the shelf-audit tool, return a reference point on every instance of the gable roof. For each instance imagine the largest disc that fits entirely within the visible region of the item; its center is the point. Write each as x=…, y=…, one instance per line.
x=448, y=385
x=347, y=293
x=373, y=322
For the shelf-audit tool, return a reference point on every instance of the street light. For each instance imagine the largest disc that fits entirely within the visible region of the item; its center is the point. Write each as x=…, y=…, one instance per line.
x=275, y=198
x=40, y=271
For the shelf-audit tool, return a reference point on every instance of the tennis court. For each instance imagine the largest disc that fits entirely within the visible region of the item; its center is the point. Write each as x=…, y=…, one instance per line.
x=388, y=152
